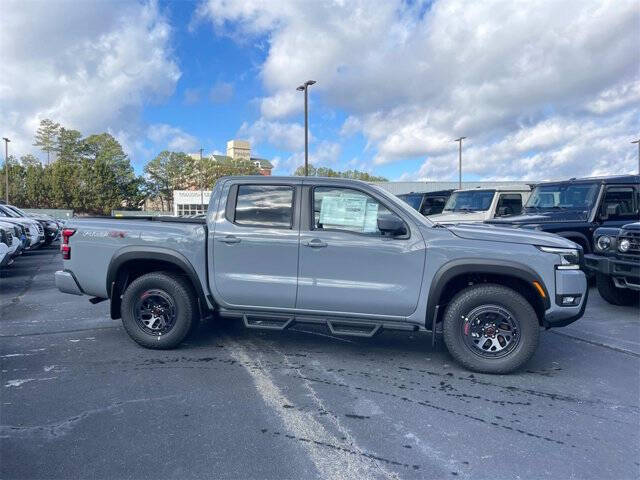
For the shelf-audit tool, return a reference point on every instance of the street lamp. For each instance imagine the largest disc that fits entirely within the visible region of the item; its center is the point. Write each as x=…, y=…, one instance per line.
x=638, y=142
x=459, y=140
x=304, y=88
x=6, y=167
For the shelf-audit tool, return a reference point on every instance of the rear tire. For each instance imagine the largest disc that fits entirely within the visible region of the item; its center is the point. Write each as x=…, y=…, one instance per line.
x=613, y=294
x=508, y=322
x=159, y=310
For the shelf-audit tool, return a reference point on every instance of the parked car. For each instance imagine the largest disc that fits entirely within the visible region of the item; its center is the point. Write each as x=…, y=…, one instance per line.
x=427, y=203
x=49, y=224
x=575, y=208
x=480, y=204
x=276, y=251
x=8, y=244
x=33, y=228
x=616, y=263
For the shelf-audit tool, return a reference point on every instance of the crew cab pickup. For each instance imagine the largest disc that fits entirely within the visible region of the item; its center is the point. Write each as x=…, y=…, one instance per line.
x=276, y=251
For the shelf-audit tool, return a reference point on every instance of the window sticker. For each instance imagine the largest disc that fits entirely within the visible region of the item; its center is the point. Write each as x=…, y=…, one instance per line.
x=344, y=210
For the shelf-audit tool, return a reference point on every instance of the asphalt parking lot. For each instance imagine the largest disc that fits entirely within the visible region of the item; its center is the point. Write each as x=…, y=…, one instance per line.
x=80, y=399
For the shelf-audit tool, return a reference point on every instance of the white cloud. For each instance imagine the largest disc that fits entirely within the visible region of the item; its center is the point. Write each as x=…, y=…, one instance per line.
x=173, y=138
x=88, y=65
x=191, y=96
x=221, y=92
x=412, y=76
x=282, y=135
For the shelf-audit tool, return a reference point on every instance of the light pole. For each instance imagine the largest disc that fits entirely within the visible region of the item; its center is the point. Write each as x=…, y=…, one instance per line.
x=201, y=182
x=459, y=140
x=305, y=87
x=638, y=142
x=6, y=168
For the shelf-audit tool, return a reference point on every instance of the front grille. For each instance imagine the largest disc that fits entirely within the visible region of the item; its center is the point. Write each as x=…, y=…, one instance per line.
x=40, y=230
x=16, y=231
x=9, y=239
x=634, y=241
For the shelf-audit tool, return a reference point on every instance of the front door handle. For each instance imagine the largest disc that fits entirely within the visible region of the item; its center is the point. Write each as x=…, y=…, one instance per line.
x=229, y=239
x=315, y=243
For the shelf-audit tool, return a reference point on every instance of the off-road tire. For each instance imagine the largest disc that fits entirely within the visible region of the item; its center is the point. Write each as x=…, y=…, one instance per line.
x=184, y=299
x=490, y=294
x=613, y=294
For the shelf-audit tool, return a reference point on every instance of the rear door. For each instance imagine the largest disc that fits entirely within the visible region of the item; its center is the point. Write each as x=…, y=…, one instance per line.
x=347, y=266
x=255, y=245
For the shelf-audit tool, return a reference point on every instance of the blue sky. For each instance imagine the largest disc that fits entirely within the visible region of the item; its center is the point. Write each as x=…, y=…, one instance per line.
x=542, y=89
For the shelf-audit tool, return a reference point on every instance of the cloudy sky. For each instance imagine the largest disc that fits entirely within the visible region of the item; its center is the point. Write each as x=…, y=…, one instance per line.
x=542, y=89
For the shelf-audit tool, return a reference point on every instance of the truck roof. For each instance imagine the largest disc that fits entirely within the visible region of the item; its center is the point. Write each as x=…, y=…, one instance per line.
x=514, y=188
x=608, y=180
x=290, y=178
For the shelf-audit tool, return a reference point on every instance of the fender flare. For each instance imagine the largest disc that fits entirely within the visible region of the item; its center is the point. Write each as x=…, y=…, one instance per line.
x=127, y=254
x=570, y=234
x=470, y=266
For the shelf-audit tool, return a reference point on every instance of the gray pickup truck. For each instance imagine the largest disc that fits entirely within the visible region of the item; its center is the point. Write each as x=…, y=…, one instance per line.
x=279, y=251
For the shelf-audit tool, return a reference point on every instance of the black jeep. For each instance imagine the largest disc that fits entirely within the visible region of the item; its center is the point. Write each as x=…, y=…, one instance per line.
x=575, y=208
x=616, y=263
x=427, y=203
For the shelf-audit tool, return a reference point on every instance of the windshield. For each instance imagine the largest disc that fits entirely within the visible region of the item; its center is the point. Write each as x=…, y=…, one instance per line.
x=471, y=200
x=564, y=196
x=15, y=210
x=412, y=199
x=5, y=212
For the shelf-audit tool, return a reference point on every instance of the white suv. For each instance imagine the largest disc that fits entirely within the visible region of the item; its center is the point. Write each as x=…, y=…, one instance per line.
x=480, y=204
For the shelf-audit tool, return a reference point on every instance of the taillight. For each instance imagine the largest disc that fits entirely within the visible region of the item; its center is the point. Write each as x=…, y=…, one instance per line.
x=65, y=248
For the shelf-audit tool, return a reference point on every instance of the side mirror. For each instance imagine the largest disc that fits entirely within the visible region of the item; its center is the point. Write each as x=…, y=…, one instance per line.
x=391, y=225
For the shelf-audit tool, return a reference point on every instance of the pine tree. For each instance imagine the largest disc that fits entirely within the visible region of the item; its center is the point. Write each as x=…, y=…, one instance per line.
x=46, y=137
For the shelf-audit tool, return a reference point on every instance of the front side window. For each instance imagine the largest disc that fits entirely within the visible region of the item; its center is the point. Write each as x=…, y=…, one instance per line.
x=619, y=203
x=509, y=204
x=264, y=206
x=347, y=209
x=471, y=200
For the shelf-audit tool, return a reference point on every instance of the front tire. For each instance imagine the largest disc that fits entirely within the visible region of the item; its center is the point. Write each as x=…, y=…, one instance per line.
x=490, y=328
x=613, y=294
x=159, y=310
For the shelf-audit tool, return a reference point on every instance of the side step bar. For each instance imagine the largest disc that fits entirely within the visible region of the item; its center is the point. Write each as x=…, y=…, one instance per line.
x=336, y=326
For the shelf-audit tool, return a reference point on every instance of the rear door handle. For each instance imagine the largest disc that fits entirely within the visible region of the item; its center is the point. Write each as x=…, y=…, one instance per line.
x=229, y=239
x=315, y=243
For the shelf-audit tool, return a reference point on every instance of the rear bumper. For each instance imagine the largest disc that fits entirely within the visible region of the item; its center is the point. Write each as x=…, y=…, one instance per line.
x=67, y=283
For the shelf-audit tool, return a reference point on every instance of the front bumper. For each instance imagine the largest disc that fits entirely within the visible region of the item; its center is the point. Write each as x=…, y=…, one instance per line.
x=67, y=283
x=568, y=283
x=626, y=273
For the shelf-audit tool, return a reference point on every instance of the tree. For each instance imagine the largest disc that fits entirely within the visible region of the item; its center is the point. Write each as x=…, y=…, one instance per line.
x=167, y=172
x=46, y=137
x=68, y=144
x=328, y=172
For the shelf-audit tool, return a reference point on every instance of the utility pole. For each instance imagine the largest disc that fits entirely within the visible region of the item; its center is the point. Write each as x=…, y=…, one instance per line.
x=459, y=140
x=304, y=88
x=6, y=168
x=638, y=142
x=201, y=180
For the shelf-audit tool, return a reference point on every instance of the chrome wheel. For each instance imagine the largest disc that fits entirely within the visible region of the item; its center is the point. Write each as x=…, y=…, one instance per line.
x=155, y=312
x=490, y=331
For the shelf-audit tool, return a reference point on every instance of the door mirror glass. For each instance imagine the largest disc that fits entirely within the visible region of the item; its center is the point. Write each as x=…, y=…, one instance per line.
x=390, y=224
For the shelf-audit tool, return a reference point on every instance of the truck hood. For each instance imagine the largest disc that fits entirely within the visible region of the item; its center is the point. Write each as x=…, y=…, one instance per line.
x=457, y=217
x=543, y=217
x=492, y=233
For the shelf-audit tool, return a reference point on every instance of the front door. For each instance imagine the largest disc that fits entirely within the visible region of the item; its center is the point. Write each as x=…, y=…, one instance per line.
x=347, y=265
x=255, y=246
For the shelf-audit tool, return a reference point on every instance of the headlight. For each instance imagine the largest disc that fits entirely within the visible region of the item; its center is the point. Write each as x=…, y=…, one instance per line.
x=603, y=242
x=569, y=257
x=624, y=245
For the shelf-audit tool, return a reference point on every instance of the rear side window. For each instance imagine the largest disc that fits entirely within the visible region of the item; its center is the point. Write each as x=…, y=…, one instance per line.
x=619, y=203
x=264, y=206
